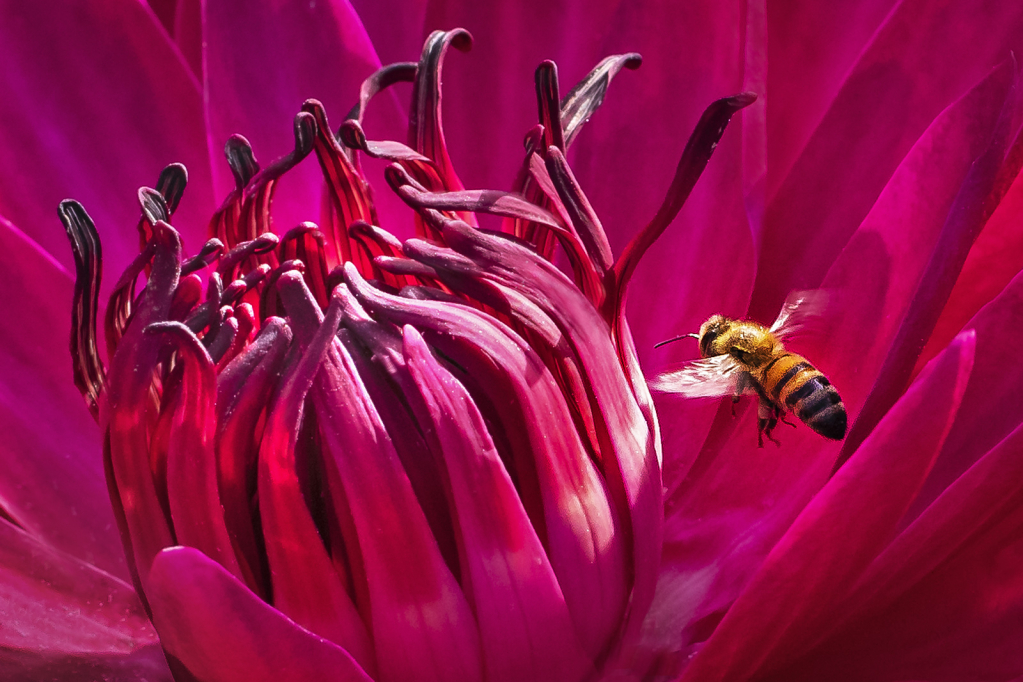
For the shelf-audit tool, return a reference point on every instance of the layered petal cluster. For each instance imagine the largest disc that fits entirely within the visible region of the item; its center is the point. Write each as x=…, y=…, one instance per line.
x=429, y=459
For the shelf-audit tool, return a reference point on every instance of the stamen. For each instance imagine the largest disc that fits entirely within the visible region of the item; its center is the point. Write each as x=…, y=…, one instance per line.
x=89, y=372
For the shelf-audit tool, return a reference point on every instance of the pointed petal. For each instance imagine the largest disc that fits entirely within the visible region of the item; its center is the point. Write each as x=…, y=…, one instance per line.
x=221, y=632
x=915, y=64
x=966, y=218
x=306, y=587
x=584, y=536
x=840, y=531
x=195, y=506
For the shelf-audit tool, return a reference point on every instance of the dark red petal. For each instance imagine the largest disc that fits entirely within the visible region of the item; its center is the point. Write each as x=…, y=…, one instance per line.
x=421, y=624
x=523, y=619
x=628, y=450
x=583, y=100
x=131, y=413
x=306, y=586
x=243, y=393
x=351, y=198
x=221, y=632
x=583, y=531
x=89, y=372
x=426, y=132
x=839, y=532
x=195, y=506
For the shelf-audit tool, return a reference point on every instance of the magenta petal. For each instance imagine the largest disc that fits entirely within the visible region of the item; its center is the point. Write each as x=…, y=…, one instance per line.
x=52, y=484
x=840, y=531
x=514, y=593
x=420, y=622
x=872, y=282
x=148, y=663
x=262, y=62
x=917, y=62
x=53, y=602
x=222, y=632
x=96, y=102
x=584, y=537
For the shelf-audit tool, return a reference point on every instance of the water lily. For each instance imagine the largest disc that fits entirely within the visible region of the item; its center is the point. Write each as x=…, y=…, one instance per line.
x=499, y=399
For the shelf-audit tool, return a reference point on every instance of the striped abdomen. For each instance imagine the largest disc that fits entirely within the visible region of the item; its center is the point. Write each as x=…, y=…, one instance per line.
x=794, y=385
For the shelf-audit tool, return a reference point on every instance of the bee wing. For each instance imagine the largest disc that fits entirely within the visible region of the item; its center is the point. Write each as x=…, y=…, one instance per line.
x=799, y=313
x=708, y=378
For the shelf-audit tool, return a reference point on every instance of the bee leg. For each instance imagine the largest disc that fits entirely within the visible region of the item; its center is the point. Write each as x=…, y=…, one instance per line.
x=766, y=421
x=783, y=420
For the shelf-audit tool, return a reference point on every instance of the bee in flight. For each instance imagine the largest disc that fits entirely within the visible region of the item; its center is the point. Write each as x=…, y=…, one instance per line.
x=742, y=356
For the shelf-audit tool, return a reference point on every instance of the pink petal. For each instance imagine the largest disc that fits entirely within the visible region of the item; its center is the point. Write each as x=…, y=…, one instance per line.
x=261, y=63
x=966, y=219
x=221, y=632
x=420, y=622
x=306, y=586
x=991, y=409
x=840, y=531
x=583, y=535
x=97, y=101
x=55, y=604
x=191, y=466
x=873, y=281
x=53, y=484
x=729, y=512
x=960, y=622
x=995, y=258
x=513, y=590
x=917, y=62
x=812, y=46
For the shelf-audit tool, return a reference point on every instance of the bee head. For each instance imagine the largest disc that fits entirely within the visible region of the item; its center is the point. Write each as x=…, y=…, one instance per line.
x=710, y=331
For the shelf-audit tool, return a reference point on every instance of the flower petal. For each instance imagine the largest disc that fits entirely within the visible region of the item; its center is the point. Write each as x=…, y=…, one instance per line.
x=513, y=590
x=53, y=484
x=221, y=632
x=840, y=531
x=918, y=61
x=306, y=586
x=95, y=86
x=53, y=602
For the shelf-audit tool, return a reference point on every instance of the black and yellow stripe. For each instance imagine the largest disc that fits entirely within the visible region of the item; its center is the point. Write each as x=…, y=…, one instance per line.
x=795, y=385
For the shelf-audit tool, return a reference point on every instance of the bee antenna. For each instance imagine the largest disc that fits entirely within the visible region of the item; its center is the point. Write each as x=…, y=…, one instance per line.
x=677, y=338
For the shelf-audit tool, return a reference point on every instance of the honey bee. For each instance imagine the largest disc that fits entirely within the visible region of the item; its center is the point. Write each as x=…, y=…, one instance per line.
x=742, y=356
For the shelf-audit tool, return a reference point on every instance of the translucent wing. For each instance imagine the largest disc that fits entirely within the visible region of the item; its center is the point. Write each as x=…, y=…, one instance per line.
x=802, y=309
x=708, y=378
